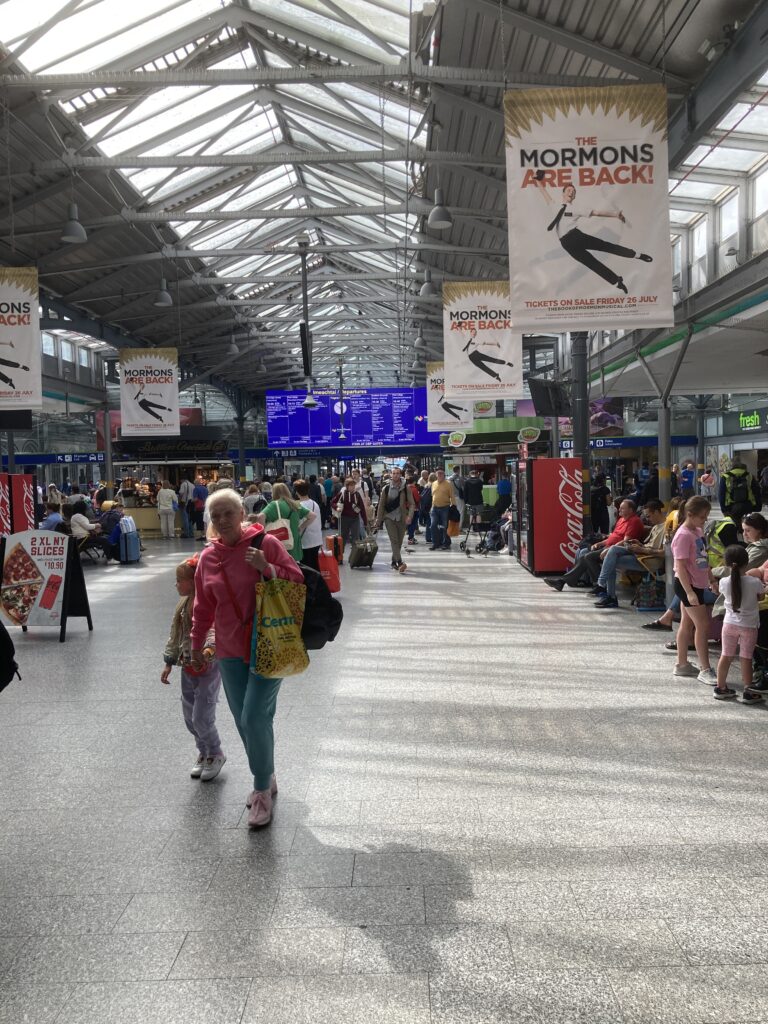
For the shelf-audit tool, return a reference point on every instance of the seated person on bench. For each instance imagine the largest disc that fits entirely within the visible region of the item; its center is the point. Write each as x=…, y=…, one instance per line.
x=87, y=534
x=629, y=526
x=624, y=557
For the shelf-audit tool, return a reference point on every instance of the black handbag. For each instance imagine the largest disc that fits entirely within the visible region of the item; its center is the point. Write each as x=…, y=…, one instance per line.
x=454, y=515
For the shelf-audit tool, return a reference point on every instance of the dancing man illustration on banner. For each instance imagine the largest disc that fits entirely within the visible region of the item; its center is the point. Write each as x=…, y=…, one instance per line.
x=149, y=407
x=479, y=358
x=457, y=411
x=13, y=366
x=578, y=244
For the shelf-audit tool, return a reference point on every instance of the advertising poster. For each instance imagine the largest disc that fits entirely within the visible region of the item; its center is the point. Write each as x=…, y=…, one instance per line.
x=20, y=369
x=149, y=392
x=34, y=571
x=5, y=503
x=606, y=417
x=482, y=353
x=442, y=413
x=588, y=207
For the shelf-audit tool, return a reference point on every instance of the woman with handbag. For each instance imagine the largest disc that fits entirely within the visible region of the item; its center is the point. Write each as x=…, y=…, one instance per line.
x=228, y=571
x=284, y=507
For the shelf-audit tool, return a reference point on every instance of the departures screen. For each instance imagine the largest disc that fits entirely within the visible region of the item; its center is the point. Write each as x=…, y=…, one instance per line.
x=379, y=417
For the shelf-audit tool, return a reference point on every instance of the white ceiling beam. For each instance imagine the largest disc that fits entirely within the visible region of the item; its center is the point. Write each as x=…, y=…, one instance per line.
x=357, y=72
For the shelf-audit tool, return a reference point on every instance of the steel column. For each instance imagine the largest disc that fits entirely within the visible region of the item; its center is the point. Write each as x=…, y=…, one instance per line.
x=580, y=403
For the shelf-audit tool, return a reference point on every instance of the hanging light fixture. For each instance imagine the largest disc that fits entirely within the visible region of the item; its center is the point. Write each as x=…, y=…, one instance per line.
x=427, y=289
x=439, y=216
x=262, y=367
x=416, y=364
x=163, y=297
x=73, y=231
x=233, y=350
x=419, y=343
x=195, y=398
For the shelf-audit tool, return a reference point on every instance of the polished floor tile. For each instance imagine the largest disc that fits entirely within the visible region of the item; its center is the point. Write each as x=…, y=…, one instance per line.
x=495, y=805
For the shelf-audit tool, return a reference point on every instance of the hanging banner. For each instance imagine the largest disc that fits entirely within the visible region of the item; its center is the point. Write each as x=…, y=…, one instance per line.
x=149, y=392
x=483, y=354
x=443, y=414
x=588, y=208
x=20, y=370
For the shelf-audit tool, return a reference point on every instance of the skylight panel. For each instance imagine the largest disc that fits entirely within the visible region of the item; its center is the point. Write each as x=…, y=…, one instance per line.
x=694, y=190
x=107, y=34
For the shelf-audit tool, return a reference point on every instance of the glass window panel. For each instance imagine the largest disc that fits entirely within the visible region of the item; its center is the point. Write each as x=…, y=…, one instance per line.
x=732, y=159
x=82, y=357
x=695, y=189
x=699, y=240
x=676, y=256
x=761, y=193
x=729, y=217
x=49, y=345
x=67, y=351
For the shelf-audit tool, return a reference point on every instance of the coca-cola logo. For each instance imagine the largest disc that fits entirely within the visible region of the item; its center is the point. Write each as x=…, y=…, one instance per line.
x=569, y=496
x=28, y=501
x=5, y=506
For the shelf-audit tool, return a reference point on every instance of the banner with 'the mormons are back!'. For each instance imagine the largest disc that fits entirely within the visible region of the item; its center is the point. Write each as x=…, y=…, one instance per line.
x=588, y=207
x=149, y=392
x=20, y=368
x=482, y=350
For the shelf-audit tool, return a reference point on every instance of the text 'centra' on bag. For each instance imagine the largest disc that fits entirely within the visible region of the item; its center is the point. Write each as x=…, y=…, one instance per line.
x=277, y=649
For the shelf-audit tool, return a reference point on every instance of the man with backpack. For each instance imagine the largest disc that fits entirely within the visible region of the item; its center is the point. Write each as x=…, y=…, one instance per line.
x=739, y=492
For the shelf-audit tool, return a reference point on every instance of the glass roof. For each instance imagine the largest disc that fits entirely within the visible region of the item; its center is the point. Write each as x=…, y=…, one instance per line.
x=55, y=36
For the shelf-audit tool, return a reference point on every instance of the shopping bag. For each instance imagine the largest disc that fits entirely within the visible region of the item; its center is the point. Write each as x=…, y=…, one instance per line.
x=453, y=529
x=280, y=529
x=454, y=516
x=329, y=570
x=650, y=594
x=277, y=649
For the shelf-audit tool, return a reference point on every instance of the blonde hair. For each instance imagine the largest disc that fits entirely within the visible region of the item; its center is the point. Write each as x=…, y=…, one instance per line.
x=225, y=496
x=282, y=492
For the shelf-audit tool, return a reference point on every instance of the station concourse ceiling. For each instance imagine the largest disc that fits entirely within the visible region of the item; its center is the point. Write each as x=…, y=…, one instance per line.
x=206, y=142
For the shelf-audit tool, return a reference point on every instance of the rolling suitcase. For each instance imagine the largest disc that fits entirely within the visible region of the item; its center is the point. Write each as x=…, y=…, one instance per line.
x=335, y=545
x=130, y=548
x=362, y=553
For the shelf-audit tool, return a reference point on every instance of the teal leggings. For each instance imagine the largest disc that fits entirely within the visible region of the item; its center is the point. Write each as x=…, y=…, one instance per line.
x=252, y=700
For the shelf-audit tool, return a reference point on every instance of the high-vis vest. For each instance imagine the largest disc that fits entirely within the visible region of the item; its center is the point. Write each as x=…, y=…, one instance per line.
x=715, y=545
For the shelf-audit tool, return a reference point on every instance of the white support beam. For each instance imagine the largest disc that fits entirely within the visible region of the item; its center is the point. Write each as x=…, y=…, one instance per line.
x=287, y=158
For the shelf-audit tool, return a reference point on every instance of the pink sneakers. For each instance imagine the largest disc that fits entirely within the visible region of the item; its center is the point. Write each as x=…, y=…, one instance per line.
x=261, y=808
x=252, y=794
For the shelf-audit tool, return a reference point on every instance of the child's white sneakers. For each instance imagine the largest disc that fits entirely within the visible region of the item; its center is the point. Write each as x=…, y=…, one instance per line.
x=212, y=767
x=197, y=768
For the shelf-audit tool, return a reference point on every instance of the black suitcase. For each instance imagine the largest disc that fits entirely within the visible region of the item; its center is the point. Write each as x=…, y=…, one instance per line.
x=362, y=553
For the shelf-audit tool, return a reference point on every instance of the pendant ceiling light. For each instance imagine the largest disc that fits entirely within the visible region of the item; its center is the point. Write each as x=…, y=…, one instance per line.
x=163, y=297
x=439, y=216
x=427, y=289
x=73, y=231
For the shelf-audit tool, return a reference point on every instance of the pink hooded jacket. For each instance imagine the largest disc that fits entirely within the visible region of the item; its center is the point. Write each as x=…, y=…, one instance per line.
x=213, y=604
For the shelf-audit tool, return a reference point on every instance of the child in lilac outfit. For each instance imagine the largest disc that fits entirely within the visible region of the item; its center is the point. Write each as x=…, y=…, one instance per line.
x=199, y=688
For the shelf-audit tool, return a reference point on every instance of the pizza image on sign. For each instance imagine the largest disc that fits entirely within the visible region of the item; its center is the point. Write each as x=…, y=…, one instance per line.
x=22, y=582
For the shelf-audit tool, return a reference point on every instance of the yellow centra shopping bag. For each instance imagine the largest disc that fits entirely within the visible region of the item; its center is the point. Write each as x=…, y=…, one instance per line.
x=277, y=649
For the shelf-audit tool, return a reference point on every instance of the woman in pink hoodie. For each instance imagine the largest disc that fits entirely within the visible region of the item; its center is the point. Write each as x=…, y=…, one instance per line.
x=226, y=575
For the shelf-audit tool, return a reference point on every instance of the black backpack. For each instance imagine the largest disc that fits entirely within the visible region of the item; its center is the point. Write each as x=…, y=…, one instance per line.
x=740, y=493
x=8, y=666
x=323, y=614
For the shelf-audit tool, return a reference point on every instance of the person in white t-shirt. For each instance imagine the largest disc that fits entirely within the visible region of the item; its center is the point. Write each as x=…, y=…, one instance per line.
x=740, y=625
x=577, y=243
x=311, y=527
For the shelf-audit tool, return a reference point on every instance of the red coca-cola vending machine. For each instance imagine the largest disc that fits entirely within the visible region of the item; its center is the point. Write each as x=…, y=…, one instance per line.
x=23, y=501
x=549, y=514
x=5, y=504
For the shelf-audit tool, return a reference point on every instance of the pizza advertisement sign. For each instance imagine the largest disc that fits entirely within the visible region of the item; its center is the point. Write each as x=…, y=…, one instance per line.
x=34, y=573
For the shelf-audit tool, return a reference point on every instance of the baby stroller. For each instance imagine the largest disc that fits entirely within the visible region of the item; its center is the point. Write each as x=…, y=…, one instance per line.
x=484, y=526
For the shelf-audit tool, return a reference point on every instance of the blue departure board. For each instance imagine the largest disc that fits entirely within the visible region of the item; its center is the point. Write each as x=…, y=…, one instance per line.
x=376, y=417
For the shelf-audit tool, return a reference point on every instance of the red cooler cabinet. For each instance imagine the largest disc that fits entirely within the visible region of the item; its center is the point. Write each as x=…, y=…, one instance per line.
x=549, y=514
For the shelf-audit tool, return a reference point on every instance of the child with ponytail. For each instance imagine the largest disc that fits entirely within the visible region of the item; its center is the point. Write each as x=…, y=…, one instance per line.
x=742, y=618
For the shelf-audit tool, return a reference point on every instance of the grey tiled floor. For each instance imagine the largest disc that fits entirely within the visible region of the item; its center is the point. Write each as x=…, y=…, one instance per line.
x=496, y=804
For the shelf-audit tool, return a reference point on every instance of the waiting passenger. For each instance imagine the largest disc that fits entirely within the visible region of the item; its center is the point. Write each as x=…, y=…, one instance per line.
x=625, y=557
x=53, y=517
x=629, y=526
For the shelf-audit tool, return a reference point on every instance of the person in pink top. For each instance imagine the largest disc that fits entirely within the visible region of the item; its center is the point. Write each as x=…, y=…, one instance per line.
x=691, y=580
x=225, y=596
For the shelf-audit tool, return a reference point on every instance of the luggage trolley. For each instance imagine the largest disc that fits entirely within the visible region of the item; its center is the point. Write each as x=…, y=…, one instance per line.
x=480, y=519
